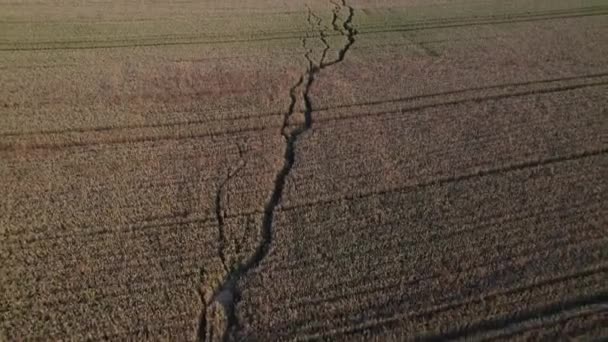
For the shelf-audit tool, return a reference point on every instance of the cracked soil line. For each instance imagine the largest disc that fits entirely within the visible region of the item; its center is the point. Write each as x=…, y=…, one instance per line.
x=220, y=212
x=218, y=317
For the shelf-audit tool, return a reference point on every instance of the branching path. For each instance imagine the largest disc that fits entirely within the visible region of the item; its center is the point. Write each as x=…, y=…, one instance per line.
x=218, y=317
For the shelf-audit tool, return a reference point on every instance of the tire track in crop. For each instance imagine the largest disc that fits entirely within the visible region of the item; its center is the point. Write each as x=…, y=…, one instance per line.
x=482, y=326
x=518, y=166
x=130, y=228
x=472, y=99
x=448, y=23
x=73, y=141
x=493, y=20
x=393, y=242
x=21, y=237
x=316, y=109
x=226, y=296
x=592, y=316
x=150, y=125
x=515, y=167
x=530, y=314
x=393, y=286
x=466, y=90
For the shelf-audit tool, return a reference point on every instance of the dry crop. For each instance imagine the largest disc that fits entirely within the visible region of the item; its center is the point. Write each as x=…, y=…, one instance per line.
x=341, y=169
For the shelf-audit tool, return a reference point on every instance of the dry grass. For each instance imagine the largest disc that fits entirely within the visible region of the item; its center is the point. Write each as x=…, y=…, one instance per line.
x=358, y=170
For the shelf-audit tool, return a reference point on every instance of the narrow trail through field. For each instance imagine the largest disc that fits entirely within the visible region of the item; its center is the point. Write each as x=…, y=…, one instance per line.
x=218, y=317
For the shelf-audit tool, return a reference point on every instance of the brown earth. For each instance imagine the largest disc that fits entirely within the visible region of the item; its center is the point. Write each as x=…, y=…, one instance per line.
x=335, y=170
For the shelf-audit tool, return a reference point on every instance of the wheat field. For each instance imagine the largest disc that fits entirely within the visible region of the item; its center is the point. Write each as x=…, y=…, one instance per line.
x=336, y=170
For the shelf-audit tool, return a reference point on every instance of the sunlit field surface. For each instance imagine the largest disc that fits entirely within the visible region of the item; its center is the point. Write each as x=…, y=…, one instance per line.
x=337, y=170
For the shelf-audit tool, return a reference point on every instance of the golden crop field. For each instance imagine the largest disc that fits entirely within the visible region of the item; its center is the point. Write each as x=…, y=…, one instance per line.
x=340, y=170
